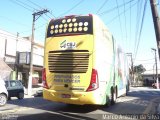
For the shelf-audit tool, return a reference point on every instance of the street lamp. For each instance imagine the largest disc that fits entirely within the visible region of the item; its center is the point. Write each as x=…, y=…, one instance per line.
x=156, y=68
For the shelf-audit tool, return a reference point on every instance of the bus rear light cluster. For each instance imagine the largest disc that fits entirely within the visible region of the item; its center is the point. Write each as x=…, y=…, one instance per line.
x=69, y=25
x=94, y=81
x=45, y=85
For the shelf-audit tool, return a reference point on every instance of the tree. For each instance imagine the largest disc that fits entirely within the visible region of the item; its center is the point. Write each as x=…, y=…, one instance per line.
x=138, y=70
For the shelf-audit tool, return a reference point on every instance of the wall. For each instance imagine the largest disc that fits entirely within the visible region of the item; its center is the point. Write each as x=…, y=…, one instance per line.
x=10, y=44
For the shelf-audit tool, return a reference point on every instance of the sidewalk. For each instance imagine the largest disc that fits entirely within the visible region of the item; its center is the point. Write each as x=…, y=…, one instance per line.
x=35, y=90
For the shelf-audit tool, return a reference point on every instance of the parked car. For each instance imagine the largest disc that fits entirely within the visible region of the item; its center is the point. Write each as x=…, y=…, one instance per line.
x=3, y=93
x=154, y=85
x=15, y=89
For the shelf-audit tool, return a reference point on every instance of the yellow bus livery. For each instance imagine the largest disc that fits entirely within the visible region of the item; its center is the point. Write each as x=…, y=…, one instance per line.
x=82, y=63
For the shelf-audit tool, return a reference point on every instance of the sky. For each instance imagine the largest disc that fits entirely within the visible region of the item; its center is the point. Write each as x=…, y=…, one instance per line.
x=123, y=18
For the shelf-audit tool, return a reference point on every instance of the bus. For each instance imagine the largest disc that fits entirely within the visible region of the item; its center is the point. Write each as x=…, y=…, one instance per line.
x=82, y=63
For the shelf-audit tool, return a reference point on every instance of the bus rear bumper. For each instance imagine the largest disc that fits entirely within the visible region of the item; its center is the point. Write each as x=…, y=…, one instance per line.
x=79, y=98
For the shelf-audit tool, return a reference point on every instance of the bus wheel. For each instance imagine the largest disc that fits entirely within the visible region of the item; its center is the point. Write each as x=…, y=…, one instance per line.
x=127, y=89
x=113, y=96
x=108, y=101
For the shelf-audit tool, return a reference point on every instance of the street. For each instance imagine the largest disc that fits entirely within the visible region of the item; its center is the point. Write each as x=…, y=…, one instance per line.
x=135, y=103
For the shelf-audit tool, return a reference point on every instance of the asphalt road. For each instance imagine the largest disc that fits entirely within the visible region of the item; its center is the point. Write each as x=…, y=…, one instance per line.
x=137, y=102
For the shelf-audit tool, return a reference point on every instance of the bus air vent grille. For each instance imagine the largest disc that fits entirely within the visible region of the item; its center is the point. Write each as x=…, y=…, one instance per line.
x=68, y=61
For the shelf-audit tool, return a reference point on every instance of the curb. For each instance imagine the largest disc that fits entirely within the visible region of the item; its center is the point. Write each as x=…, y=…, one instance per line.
x=28, y=96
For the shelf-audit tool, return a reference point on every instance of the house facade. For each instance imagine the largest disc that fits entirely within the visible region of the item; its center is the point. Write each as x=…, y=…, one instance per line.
x=149, y=77
x=15, y=51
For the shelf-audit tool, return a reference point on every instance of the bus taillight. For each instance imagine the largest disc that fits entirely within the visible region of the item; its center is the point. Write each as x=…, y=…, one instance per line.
x=94, y=81
x=45, y=85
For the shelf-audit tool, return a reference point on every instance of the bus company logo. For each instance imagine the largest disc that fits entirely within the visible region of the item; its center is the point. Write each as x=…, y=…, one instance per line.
x=67, y=45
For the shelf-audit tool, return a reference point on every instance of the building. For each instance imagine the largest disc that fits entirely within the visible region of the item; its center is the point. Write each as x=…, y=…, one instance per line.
x=149, y=77
x=15, y=52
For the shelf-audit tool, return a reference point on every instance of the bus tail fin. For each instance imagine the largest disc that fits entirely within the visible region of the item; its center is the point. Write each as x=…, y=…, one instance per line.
x=45, y=85
x=94, y=81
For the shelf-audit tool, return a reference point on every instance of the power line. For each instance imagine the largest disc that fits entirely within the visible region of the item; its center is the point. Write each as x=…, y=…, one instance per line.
x=145, y=63
x=8, y=35
x=114, y=18
x=139, y=10
x=29, y=30
x=144, y=11
x=45, y=18
x=130, y=25
x=150, y=70
x=12, y=36
x=52, y=14
x=48, y=16
x=128, y=8
x=40, y=8
x=114, y=8
x=25, y=4
x=146, y=59
x=125, y=22
x=105, y=1
x=36, y=28
x=15, y=2
x=13, y=21
x=28, y=7
x=35, y=4
x=41, y=26
x=119, y=20
x=72, y=8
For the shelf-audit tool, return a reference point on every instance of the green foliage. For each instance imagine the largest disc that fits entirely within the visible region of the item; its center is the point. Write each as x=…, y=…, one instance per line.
x=139, y=69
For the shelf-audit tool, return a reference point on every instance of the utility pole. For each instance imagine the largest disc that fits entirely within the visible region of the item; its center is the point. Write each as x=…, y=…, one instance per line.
x=17, y=41
x=156, y=22
x=132, y=70
x=17, y=57
x=157, y=82
x=36, y=15
x=154, y=77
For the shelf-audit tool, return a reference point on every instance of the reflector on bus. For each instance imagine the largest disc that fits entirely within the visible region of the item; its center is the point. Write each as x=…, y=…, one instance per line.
x=70, y=26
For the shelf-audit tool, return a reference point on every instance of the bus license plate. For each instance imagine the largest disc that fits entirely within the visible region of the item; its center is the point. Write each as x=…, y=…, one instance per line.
x=66, y=96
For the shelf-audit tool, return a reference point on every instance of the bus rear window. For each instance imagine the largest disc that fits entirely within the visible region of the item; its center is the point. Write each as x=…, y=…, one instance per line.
x=70, y=26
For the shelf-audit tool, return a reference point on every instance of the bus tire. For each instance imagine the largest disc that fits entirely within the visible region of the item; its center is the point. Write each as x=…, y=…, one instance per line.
x=108, y=101
x=113, y=96
x=127, y=89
